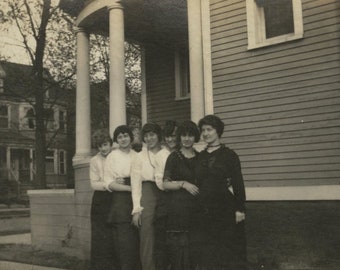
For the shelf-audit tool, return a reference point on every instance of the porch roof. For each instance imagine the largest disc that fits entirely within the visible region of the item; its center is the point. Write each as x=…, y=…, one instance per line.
x=146, y=21
x=13, y=138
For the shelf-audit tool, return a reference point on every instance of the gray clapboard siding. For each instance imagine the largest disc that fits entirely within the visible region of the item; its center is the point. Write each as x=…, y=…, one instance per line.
x=160, y=87
x=281, y=103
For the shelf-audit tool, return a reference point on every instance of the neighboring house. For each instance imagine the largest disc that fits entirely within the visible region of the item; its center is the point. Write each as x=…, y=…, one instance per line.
x=17, y=130
x=271, y=71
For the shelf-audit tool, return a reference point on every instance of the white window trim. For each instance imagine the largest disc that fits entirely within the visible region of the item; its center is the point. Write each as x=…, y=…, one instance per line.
x=256, y=26
x=178, y=76
x=293, y=193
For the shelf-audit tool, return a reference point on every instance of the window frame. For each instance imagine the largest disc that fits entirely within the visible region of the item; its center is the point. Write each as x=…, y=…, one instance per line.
x=181, y=72
x=64, y=121
x=256, y=26
x=51, y=158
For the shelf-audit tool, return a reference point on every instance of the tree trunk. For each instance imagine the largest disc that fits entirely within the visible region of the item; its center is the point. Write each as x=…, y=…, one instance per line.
x=40, y=129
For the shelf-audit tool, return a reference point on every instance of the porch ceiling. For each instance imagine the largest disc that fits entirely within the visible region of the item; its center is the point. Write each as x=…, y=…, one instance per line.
x=159, y=22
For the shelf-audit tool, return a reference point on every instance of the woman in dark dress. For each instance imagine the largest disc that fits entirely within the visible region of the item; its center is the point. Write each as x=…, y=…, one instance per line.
x=218, y=240
x=179, y=201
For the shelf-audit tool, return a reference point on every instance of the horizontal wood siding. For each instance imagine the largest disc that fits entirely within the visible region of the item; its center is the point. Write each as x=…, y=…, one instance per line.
x=281, y=103
x=160, y=87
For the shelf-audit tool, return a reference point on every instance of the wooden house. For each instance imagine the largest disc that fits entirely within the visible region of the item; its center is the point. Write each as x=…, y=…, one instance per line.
x=17, y=139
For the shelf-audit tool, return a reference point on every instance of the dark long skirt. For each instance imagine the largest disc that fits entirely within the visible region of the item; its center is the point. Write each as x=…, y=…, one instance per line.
x=102, y=248
x=149, y=200
x=125, y=235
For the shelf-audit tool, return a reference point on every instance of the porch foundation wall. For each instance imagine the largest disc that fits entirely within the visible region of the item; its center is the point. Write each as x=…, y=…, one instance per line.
x=280, y=234
x=83, y=199
x=53, y=222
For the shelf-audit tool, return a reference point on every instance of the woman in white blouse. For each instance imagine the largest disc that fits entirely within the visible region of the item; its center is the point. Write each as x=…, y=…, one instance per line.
x=102, y=250
x=145, y=192
x=117, y=179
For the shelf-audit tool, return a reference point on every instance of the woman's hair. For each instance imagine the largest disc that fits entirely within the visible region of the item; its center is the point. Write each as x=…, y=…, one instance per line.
x=101, y=136
x=152, y=127
x=214, y=121
x=169, y=128
x=122, y=129
x=188, y=128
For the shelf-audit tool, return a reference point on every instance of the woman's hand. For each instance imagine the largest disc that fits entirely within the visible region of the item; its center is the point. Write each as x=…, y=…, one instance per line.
x=137, y=219
x=120, y=180
x=191, y=188
x=240, y=216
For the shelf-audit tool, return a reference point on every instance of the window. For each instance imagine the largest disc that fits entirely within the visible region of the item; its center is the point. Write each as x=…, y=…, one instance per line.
x=182, y=74
x=49, y=162
x=55, y=162
x=1, y=85
x=27, y=117
x=49, y=118
x=273, y=21
x=62, y=121
x=4, y=116
x=62, y=162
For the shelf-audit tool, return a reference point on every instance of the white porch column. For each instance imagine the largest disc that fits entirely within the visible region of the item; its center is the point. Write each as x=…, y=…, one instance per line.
x=117, y=66
x=196, y=60
x=83, y=116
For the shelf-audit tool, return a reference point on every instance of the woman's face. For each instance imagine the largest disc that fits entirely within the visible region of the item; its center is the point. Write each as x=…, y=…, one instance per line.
x=151, y=139
x=124, y=140
x=187, y=141
x=171, y=140
x=105, y=148
x=209, y=134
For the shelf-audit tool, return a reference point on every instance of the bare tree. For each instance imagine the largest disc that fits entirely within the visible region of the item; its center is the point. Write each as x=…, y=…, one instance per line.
x=36, y=22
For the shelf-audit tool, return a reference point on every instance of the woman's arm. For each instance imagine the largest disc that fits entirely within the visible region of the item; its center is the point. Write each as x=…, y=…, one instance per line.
x=169, y=172
x=95, y=175
x=238, y=188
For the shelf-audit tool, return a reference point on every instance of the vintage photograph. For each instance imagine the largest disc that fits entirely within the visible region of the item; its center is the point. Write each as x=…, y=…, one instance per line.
x=169, y=135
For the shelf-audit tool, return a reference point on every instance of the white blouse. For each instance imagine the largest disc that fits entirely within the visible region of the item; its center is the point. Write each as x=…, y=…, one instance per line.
x=117, y=165
x=143, y=168
x=97, y=164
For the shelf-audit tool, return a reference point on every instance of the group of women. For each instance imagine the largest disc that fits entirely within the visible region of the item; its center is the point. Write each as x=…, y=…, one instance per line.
x=168, y=207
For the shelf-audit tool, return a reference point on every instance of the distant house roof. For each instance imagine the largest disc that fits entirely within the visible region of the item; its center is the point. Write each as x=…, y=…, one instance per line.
x=20, y=83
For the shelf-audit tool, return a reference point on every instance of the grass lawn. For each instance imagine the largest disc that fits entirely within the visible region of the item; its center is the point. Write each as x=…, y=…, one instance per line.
x=29, y=255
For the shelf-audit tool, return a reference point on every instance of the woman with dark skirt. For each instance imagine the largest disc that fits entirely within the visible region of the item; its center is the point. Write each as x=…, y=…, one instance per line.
x=218, y=240
x=145, y=193
x=117, y=179
x=179, y=201
x=102, y=249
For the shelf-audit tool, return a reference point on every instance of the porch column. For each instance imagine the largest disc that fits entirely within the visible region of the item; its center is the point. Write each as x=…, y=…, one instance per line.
x=83, y=116
x=117, y=66
x=196, y=60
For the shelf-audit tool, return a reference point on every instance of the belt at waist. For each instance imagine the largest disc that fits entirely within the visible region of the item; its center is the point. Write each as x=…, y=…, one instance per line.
x=127, y=181
x=148, y=181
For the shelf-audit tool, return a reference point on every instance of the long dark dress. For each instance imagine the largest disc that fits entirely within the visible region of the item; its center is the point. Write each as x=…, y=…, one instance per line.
x=102, y=246
x=174, y=214
x=217, y=241
x=125, y=235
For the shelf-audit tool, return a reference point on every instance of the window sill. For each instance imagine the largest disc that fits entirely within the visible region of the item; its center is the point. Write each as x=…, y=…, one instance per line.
x=182, y=98
x=274, y=41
